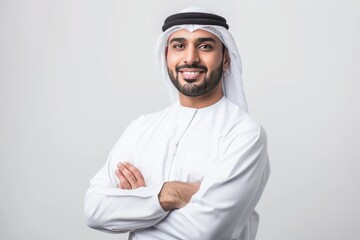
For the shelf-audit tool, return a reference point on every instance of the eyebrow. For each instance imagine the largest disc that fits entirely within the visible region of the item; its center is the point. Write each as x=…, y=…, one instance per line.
x=199, y=40
x=208, y=39
x=179, y=39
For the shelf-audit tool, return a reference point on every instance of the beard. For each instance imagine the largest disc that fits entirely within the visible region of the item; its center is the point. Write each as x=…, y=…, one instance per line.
x=192, y=89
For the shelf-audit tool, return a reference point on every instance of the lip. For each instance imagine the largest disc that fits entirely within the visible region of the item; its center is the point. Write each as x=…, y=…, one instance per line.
x=191, y=73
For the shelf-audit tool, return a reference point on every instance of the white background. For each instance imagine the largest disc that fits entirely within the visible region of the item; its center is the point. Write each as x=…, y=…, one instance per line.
x=74, y=73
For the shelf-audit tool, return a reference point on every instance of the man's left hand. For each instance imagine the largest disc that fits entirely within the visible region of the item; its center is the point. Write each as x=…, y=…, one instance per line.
x=130, y=177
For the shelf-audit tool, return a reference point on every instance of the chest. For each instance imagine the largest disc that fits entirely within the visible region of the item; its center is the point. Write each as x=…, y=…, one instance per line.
x=178, y=152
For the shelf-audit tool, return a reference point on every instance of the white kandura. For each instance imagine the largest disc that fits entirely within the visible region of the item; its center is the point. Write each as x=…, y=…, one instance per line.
x=220, y=146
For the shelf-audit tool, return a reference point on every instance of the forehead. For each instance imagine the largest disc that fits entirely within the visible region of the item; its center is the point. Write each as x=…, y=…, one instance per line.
x=189, y=36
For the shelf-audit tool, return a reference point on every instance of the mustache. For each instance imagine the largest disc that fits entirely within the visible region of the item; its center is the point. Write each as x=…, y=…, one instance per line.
x=194, y=65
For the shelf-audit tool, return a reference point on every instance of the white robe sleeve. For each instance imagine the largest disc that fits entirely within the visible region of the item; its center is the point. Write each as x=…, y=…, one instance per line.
x=228, y=193
x=111, y=209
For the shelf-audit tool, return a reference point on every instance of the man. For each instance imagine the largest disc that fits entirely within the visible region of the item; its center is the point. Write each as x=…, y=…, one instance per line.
x=196, y=169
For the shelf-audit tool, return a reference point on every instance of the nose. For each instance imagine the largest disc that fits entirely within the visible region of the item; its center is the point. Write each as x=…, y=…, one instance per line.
x=191, y=55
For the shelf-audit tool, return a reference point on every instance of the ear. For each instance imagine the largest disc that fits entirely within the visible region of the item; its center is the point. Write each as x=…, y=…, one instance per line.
x=226, y=60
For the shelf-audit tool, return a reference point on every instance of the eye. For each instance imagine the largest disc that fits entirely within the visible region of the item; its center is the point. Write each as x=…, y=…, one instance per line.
x=178, y=46
x=206, y=47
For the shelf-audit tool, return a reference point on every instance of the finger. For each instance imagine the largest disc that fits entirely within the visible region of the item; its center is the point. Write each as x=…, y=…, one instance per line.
x=136, y=172
x=118, y=175
x=119, y=164
x=124, y=182
x=129, y=176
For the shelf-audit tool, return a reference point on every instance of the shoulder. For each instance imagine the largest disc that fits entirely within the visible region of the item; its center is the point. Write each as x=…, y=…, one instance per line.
x=242, y=125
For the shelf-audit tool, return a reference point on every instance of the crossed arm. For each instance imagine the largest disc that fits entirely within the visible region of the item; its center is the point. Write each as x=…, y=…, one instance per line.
x=223, y=202
x=173, y=195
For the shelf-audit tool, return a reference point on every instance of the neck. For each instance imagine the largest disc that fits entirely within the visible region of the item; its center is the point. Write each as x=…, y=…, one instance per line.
x=202, y=101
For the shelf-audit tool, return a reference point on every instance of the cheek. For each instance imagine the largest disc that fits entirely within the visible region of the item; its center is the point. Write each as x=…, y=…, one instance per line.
x=174, y=58
x=214, y=64
x=171, y=62
x=212, y=60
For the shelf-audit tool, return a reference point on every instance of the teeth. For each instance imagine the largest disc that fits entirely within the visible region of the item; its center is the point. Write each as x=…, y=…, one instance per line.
x=192, y=73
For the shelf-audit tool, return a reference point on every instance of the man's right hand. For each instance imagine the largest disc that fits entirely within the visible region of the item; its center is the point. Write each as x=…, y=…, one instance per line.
x=174, y=195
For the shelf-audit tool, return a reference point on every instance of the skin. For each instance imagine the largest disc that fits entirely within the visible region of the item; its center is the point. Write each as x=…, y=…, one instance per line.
x=201, y=53
x=173, y=195
x=130, y=177
x=204, y=50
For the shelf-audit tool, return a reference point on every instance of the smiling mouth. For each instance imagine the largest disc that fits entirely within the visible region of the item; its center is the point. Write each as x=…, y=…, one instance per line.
x=189, y=75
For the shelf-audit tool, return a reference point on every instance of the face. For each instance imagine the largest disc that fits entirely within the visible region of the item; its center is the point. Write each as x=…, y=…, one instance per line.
x=195, y=62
